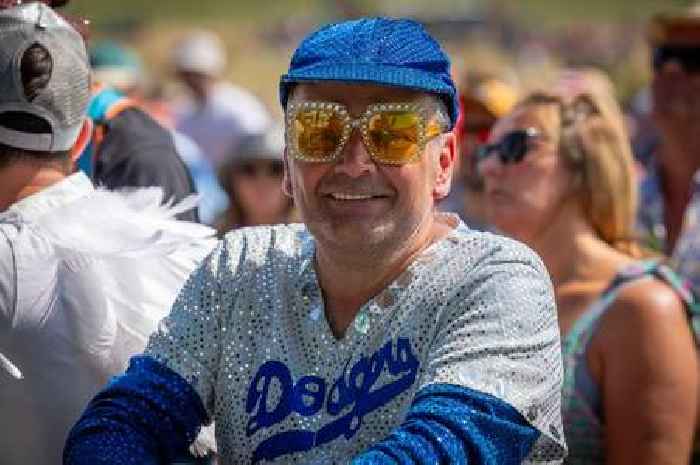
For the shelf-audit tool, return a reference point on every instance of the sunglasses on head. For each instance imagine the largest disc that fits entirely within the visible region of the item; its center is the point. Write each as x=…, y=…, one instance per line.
x=512, y=147
x=272, y=169
x=687, y=57
x=393, y=133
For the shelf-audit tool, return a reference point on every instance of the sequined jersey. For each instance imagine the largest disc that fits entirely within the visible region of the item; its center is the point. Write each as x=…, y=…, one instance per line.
x=475, y=311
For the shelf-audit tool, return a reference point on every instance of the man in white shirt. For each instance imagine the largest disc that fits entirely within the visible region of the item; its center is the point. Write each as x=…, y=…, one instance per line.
x=218, y=113
x=85, y=274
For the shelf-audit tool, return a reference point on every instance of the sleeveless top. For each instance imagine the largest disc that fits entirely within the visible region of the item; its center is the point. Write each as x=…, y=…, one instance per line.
x=584, y=425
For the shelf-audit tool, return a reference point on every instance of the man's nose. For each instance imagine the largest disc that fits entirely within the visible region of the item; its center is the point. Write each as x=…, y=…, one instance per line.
x=354, y=160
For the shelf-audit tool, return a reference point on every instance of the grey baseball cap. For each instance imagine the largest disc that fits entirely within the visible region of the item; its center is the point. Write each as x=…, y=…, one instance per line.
x=63, y=102
x=267, y=145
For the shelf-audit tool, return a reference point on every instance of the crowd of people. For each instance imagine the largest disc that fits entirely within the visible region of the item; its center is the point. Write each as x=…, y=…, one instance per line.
x=410, y=268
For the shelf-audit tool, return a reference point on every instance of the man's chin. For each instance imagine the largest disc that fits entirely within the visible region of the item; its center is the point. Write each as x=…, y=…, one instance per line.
x=352, y=236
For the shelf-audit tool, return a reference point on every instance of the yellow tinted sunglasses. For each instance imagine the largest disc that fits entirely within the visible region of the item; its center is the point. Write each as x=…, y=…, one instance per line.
x=393, y=133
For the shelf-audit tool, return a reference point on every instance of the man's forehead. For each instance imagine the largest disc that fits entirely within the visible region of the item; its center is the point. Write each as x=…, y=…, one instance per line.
x=352, y=94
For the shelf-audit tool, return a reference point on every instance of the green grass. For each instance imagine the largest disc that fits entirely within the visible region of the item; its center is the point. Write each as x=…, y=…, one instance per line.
x=269, y=11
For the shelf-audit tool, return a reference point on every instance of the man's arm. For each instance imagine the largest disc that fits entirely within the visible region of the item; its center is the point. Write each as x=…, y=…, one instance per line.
x=147, y=416
x=155, y=410
x=491, y=390
x=452, y=424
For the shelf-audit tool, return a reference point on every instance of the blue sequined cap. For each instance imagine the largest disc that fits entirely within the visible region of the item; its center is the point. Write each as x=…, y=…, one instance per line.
x=382, y=51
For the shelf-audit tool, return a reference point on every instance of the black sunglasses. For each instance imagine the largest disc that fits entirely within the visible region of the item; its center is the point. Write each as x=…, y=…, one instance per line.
x=511, y=148
x=273, y=169
x=687, y=57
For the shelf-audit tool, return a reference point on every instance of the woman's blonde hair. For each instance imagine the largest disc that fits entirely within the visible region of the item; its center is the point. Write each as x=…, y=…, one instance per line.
x=595, y=145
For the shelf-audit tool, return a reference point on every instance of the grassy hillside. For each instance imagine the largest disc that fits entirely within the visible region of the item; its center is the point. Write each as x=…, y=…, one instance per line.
x=271, y=10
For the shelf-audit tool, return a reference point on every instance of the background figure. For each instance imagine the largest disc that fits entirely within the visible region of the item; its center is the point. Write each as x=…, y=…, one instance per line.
x=85, y=274
x=252, y=176
x=119, y=69
x=559, y=176
x=572, y=82
x=117, y=66
x=484, y=97
x=669, y=214
x=217, y=114
x=128, y=147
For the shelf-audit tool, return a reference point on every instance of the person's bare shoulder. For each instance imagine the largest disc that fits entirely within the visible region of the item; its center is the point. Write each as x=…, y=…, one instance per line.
x=644, y=310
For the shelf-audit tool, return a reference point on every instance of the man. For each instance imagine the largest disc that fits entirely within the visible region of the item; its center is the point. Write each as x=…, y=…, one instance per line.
x=84, y=274
x=669, y=215
x=380, y=331
x=218, y=113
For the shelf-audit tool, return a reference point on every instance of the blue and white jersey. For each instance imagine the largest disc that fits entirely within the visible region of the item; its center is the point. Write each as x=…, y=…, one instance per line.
x=474, y=314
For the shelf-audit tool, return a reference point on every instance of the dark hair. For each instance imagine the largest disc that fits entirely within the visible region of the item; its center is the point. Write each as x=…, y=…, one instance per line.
x=36, y=67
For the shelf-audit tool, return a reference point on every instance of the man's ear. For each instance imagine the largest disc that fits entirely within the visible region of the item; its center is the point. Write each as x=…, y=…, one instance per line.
x=445, y=166
x=287, y=181
x=82, y=142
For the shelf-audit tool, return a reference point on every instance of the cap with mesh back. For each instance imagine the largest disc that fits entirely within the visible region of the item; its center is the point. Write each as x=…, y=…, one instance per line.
x=382, y=51
x=63, y=102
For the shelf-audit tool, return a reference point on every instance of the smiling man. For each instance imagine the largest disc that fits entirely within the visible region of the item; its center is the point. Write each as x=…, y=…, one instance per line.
x=379, y=331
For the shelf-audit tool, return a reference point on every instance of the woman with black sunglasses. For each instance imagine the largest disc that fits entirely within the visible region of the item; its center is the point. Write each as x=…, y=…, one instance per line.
x=252, y=177
x=559, y=176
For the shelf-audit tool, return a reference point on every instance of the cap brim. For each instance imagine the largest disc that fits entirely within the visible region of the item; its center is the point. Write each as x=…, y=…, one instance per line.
x=370, y=73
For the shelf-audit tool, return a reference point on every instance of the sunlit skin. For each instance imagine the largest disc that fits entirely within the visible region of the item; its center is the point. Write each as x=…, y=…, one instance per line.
x=641, y=353
x=26, y=177
x=365, y=243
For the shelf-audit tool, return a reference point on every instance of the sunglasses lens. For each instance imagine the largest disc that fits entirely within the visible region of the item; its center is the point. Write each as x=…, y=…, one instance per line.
x=514, y=147
x=317, y=134
x=248, y=170
x=273, y=169
x=687, y=57
x=393, y=136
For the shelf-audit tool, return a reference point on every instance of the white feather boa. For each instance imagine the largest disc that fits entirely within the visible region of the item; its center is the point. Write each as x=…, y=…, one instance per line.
x=146, y=253
x=145, y=256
